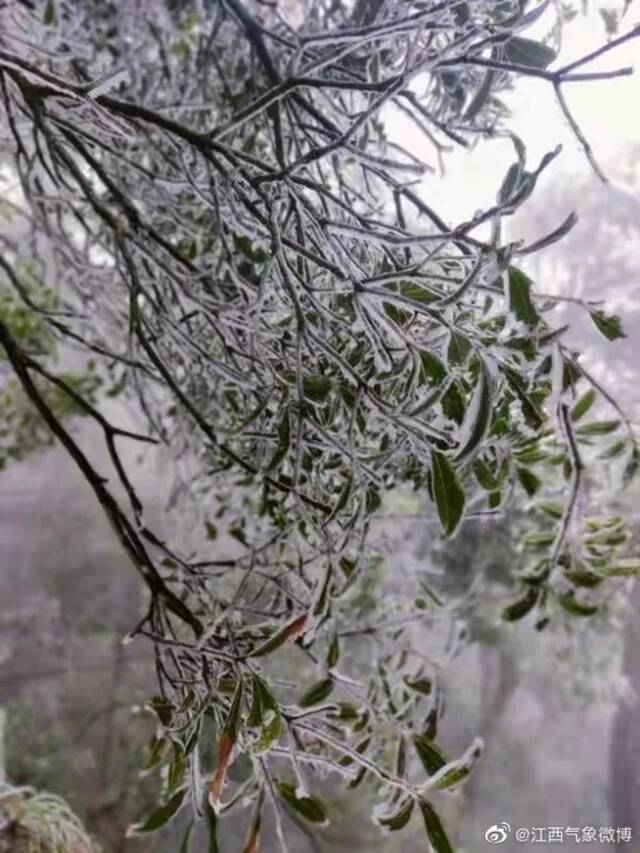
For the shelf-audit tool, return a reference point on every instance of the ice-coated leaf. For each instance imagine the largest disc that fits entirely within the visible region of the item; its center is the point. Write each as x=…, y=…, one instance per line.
x=265, y=715
x=433, y=369
x=160, y=816
x=477, y=418
x=597, y=428
x=520, y=302
x=530, y=481
x=626, y=569
x=309, y=807
x=397, y=819
x=226, y=744
x=456, y=771
x=583, y=405
x=420, y=685
x=521, y=607
x=447, y=492
x=317, y=693
x=284, y=438
x=459, y=348
x=523, y=51
x=576, y=607
x=49, y=16
x=333, y=655
x=552, y=509
x=288, y=632
x=316, y=387
x=481, y=96
x=435, y=831
x=429, y=754
x=609, y=324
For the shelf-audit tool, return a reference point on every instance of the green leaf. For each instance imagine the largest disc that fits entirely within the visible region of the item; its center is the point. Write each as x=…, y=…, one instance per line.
x=333, y=655
x=290, y=631
x=452, y=776
x=583, y=405
x=453, y=405
x=584, y=578
x=398, y=819
x=477, y=418
x=447, y=492
x=243, y=245
x=523, y=51
x=429, y=754
x=520, y=301
x=609, y=324
x=284, y=437
x=458, y=349
x=622, y=570
x=316, y=387
x=317, y=693
x=162, y=815
x=233, y=717
x=614, y=450
x=495, y=498
x=264, y=714
x=533, y=415
x=484, y=475
x=435, y=830
x=49, y=16
x=177, y=768
x=529, y=481
x=632, y=466
x=161, y=708
x=575, y=607
x=481, y=96
x=420, y=685
x=310, y=808
x=433, y=369
x=372, y=500
x=538, y=540
x=521, y=607
x=598, y=427
x=552, y=509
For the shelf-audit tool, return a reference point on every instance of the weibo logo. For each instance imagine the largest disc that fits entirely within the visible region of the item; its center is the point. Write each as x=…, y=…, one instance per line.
x=497, y=833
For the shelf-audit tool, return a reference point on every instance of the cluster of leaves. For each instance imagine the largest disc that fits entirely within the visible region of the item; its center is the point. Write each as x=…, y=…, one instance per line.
x=300, y=324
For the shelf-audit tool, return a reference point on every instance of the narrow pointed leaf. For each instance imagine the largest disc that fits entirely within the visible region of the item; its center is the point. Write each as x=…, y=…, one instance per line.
x=435, y=831
x=583, y=405
x=520, y=302
x=447, y=492
x=311, y=808
x=317, y=693
x=429, y=754
x=399, y=819
x=289, y=632
x=160, y=816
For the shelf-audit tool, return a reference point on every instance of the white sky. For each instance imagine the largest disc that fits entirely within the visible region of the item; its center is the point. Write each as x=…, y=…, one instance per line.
x=607, y=111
